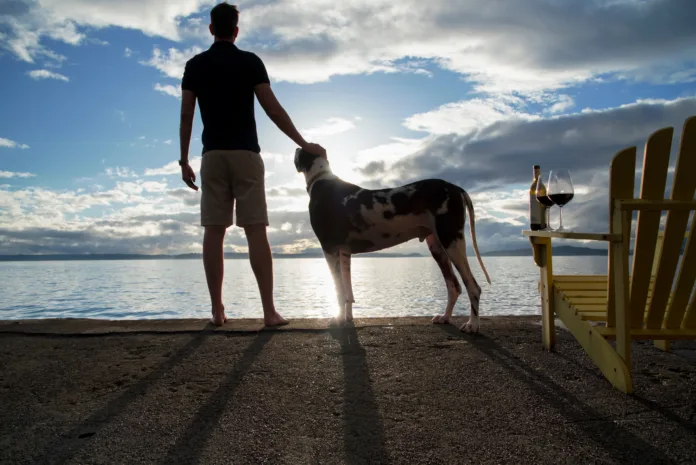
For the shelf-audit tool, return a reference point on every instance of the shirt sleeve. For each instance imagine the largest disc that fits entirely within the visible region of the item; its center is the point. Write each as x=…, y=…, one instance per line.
x=188, y=82
x=259, y=75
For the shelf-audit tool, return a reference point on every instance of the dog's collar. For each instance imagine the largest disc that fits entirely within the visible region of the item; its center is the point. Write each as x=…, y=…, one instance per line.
x=316, y=178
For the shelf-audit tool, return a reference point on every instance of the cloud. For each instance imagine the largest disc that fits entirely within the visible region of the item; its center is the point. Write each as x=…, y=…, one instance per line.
x=500, y=49
x=173, y=167
x=46, y=74
x=10, y=144
x=565, y=102
x=466, y=116
x=171, y=62
x=127, y=52
x=120, y=172
x=504, y=151
x=10, y=174
x=169, y=89
x=330, y=127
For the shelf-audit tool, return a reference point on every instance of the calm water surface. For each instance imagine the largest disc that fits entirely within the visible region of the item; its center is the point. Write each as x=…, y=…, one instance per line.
x=155, y=289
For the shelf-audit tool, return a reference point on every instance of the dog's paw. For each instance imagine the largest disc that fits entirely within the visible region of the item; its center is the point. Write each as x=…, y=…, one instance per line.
x=441, y=320
x=470, y=327
x=337, y=322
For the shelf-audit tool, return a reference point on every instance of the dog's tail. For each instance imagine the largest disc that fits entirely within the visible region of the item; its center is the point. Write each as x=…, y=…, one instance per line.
x=472, y=228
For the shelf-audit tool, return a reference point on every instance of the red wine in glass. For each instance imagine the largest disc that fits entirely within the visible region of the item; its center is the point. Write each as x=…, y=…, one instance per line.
x=560, y=199
x=560, y=191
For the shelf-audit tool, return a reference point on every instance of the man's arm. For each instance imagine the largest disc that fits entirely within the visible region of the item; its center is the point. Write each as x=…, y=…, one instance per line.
x=188, y=110
x=277, y=113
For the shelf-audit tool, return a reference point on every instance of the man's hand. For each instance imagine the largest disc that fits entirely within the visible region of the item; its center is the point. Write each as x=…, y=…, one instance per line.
x=189, y=176
x=316, y=149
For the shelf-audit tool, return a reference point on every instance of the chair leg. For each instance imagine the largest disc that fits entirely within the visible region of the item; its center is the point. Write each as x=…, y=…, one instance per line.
x=662, y=345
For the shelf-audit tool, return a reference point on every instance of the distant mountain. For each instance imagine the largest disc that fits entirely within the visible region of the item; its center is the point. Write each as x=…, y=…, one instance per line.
x=189, y=256
x=560, y=251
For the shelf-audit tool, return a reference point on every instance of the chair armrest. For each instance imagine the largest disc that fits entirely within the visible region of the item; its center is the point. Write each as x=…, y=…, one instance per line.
x=606, y=237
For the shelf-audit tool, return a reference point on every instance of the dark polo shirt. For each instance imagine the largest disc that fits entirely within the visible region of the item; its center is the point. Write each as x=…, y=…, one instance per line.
x=223, y=79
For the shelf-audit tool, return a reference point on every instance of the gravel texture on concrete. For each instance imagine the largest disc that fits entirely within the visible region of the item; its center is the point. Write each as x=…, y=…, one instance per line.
x=385, y=391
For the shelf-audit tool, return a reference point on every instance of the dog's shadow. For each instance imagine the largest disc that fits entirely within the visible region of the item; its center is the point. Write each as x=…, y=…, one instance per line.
x=363, y=434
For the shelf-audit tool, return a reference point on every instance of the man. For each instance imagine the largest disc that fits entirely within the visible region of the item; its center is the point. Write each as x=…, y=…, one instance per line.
x=224, y=80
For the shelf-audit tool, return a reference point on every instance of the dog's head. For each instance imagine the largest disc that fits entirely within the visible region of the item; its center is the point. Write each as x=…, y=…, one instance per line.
x=304, y=160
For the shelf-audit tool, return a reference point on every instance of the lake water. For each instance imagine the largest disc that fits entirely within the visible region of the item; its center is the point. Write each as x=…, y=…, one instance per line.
x=157, y=289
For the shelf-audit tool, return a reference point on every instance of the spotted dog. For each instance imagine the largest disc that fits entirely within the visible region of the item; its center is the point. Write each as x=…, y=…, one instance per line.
x=348, y=219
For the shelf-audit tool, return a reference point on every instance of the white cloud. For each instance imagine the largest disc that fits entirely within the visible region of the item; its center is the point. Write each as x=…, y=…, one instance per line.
x=167, y=142
x=172, y=62
x=331, y=127
x=466, y=116
x=10, y=174
x=120, y=172
x=565, y=102
x=173, y=167
x=169, y=89
x=10, y=144
x=499, y=49
x=128, y=52
x=46, y=74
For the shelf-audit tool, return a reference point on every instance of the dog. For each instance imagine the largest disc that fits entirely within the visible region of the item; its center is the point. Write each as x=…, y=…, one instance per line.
x=348, y=219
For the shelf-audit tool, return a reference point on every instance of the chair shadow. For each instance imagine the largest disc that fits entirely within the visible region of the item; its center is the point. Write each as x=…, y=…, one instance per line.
x=363, y=434
x=66, y=446
x=650, y=404
x=617, y=441
x=192, y=441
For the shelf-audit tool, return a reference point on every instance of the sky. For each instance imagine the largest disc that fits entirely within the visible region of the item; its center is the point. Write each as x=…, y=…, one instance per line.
x=475, y=93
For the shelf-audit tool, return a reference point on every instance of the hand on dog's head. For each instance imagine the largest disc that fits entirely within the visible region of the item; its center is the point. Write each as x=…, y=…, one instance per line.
x=304, y=160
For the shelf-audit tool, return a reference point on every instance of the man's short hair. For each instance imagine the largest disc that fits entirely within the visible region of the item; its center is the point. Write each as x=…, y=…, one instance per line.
x=224, y=18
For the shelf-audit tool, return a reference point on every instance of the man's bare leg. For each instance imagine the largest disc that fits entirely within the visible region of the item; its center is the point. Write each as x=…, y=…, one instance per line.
x=262, y=264
x=214, y=264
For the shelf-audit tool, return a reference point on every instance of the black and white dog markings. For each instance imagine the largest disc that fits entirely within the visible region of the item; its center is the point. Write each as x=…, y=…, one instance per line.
x=348, y=219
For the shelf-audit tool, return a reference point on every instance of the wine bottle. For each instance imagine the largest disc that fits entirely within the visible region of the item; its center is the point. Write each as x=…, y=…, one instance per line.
x=536, y=210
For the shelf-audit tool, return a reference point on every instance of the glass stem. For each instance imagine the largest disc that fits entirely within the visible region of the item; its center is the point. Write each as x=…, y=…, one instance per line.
x=560, y=213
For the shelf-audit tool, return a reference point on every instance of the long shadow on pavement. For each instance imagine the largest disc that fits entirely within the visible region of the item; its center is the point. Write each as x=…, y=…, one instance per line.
x=363, y=435
x=66, y=446
x=649, y=404
x=620, y=443
x=193, y=440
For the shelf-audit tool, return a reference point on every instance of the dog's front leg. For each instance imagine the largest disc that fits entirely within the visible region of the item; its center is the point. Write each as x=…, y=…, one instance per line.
x=347, y=285
x=335, y=267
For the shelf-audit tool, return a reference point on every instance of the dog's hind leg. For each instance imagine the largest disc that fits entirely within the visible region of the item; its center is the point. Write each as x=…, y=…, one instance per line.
x=454, y=289
x=334, y=263
x=455, y=245
x=347, y=285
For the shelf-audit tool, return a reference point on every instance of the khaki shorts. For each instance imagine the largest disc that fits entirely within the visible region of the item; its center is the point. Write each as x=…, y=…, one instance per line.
x=228, y=176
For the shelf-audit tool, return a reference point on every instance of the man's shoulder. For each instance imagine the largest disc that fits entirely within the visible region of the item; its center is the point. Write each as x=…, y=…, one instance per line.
x=197, y=58
x=249, y=55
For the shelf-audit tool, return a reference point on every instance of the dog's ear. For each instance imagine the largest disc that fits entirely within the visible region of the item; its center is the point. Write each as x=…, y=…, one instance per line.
x=304, y=160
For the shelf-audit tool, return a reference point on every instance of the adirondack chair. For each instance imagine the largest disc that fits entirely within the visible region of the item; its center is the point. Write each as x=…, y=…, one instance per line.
x=656, y=301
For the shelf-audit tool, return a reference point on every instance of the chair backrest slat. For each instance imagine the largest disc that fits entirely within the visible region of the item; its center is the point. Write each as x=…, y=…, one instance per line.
x=690, y=317
x=683, y=188
x=654, y=180
x=622, y=175
x=676, y=225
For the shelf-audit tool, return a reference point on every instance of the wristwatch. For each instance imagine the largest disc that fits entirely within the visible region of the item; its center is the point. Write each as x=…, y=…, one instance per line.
x=183, y=162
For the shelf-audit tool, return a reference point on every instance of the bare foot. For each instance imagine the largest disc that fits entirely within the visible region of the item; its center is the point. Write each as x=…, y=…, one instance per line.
x=219, y=318
x=275, y=320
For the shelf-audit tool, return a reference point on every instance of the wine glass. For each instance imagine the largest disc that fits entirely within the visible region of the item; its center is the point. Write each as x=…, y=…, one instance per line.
x=560, y=191
x=543, y=198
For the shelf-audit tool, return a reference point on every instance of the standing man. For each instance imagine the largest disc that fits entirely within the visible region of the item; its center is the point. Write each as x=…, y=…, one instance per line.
x=225, y=79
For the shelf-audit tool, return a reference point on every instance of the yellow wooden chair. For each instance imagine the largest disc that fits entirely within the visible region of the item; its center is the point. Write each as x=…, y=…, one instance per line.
x=655, y=301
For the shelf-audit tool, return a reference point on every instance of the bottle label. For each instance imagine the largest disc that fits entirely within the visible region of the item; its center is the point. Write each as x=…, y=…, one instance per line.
x=536, y=215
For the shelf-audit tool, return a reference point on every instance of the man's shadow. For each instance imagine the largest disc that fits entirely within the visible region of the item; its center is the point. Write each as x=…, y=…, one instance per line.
x=363, y=434
x=191, y=443
x=618, y=442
